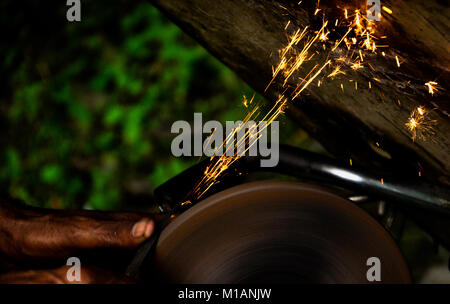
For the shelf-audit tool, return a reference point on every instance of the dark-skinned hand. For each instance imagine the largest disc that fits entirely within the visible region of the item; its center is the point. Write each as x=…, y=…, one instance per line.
x=36, y=243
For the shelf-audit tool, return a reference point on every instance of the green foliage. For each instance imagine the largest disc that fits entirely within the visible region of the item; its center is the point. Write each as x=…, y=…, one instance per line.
x=90, y=107
x=90, y=104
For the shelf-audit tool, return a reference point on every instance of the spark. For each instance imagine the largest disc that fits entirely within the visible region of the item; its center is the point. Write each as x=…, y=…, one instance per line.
x=357, y=22
x=323, y=36
x=398, y=62
x=387, y=10
x=367, y=42
x=337, y=70
x=287, y=25
x=295, y=39
x=347, y=43
x=211, y=136
x=188, y=202
x=216, y=169
x=302, y=56
x=356, y=65
x=290, y=62
x=335, y=47
x=421, y=111
x=432, y=87
x=311, y=79
x=247, y=102
x=420, y=124
x=289, y=74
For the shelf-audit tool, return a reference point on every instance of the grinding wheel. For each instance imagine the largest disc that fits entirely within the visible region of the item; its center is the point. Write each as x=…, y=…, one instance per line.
x=276, y=232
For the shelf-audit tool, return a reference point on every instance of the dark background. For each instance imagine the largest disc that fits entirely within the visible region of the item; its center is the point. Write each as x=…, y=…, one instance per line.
x=86, y=108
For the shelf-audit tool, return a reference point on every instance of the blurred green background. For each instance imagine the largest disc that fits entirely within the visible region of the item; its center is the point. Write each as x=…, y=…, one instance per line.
x=86, y=109
x=87, y=106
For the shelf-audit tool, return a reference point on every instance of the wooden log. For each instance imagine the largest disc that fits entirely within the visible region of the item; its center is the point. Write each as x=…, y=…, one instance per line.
x=366, y=125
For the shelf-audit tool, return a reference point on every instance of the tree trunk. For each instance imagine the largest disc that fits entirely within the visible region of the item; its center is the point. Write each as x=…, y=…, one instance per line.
x=365, y=125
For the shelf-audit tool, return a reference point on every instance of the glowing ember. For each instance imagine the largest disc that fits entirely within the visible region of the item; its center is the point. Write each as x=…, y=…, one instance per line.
x=336, y=71
x=356, y=65
x=247, y=102
x=419, y=124
x=293, y=78
x=432, y=87
x=396, y=60
x=387, y=10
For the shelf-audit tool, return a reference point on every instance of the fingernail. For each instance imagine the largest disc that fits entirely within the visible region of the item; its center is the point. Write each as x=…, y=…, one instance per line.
x=139, y=228
x=149, y=229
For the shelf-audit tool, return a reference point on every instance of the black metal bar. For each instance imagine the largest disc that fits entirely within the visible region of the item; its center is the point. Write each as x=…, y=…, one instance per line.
x=318, y=169
x=324, y=170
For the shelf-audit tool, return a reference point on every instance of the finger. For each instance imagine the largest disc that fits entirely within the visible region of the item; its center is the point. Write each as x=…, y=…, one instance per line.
x=142, y=229
x=48, y=234
x=87, y=233
x=57, y=236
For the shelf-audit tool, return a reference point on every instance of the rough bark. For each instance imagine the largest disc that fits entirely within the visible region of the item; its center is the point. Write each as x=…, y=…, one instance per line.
x=367, y=125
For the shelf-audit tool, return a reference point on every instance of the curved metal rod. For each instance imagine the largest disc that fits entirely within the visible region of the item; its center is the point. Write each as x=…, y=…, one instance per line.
x=315, y=168
x=323, y=170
